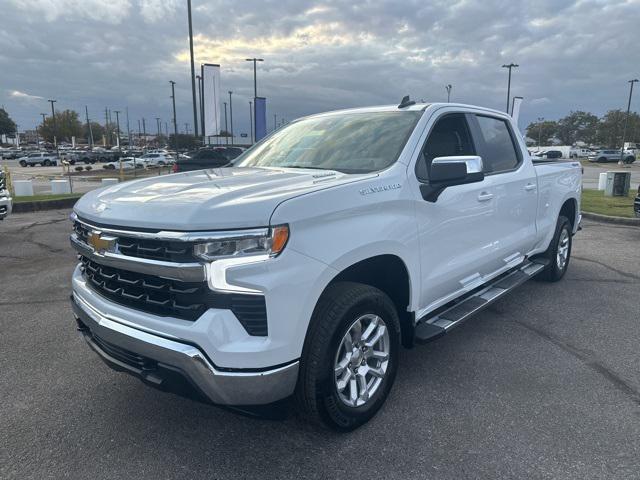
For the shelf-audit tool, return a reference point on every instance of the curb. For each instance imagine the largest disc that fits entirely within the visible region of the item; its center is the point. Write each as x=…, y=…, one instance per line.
x=28, y=207
x=634, y=222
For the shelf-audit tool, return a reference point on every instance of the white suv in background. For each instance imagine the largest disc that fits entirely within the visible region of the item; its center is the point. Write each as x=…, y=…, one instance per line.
x=157, y=159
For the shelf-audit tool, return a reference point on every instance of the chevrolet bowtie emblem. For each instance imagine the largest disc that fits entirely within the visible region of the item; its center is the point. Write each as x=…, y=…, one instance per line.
x=101, y=243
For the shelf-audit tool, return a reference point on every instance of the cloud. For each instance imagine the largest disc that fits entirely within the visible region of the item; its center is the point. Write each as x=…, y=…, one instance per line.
x=319, y=55
x=24, y=96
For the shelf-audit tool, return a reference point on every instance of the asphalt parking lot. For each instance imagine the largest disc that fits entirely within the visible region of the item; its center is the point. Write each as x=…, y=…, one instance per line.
x=544, y=384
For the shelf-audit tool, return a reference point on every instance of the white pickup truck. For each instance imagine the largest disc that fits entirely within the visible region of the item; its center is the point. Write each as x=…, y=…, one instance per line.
x=305, y=267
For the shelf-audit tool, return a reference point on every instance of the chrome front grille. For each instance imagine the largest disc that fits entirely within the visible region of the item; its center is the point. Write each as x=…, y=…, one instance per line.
x=145, y=248
x=148, y=293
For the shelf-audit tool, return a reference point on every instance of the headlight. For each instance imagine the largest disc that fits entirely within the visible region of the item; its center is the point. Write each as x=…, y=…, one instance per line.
x=264, y=241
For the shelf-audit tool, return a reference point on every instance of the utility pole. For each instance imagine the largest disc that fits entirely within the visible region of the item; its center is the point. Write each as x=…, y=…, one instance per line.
x=193, y=73
x=540, y=120
x=159, y=132
x=175, y=123
x=251, y=120
x=90, y=131
x=231, y=115
x=509, y=66
x=448, y=88
x=255, y=87
x=626, y=120
x=186, y=128
x=139, y=133
x=226, y=127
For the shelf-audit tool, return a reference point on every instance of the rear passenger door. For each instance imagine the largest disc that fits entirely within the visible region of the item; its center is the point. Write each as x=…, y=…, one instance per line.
x=513, y=183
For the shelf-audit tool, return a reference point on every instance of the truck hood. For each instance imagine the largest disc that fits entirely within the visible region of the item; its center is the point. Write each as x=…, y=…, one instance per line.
x=215, y=199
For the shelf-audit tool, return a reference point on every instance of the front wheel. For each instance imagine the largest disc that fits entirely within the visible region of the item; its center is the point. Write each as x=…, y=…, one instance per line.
x=46, y=163
x=559, y=252
x=629, y=159
x=350, y=356
x=22, y=163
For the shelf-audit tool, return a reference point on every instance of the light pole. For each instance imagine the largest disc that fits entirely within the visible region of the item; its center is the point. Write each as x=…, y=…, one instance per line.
x=89, y=130
x=626, y=120
x=540, y=120
x=44, y=115
x=226, y=128
x=117, y=112
x=193, y=73
x=231, y=115
x=175, y=123
x=144, y=131
x=158, y=126
x=251, y=120
x=55, y=126
x=255, y=87
x=509, y=66
x=448, y=88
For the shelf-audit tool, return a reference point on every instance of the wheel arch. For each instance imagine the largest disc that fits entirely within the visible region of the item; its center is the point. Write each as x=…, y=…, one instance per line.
x=388, y=273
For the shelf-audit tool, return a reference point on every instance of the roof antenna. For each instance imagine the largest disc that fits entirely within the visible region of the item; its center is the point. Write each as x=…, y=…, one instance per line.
x=406, y=102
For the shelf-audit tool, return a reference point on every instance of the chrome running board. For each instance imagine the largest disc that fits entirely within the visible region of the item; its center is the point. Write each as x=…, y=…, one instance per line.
x=444, y=319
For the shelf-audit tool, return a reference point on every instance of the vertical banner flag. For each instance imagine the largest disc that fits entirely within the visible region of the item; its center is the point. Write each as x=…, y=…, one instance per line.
x=261, y=117
x=211, y=98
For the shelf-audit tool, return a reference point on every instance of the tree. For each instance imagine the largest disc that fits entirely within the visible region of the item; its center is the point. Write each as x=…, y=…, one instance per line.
x=68, y=125
x=7, y=126
x=577, y=126
x=542, y=131
x=97, y=130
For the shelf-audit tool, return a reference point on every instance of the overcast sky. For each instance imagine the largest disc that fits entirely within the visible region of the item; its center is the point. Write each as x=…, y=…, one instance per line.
x=573, y=54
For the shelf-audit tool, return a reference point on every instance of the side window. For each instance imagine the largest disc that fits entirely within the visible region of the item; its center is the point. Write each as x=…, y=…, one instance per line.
x=449, y=137
x=498, y=150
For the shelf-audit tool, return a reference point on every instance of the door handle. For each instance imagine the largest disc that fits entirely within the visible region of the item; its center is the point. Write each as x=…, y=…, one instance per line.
x=484, y=196
x=530, y=186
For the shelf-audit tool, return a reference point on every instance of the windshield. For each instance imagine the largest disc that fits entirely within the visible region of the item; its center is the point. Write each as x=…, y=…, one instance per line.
x=348, y=143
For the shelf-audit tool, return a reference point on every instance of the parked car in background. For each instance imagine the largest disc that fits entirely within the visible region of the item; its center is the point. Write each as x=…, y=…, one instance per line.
x=549, y=154
x=204, y=158
x=580, y=152
x=156, y=159
x=128, y=163
x=603, y=156
x=44, y=159
x=12, y=153
x=5, y=197
x=230, y=152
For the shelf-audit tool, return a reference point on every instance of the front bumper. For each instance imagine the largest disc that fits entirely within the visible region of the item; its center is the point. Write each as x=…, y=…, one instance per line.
x=158, y=360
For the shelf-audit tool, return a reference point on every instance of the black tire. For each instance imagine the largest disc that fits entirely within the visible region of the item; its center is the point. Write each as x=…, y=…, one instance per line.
x=601, y=160
x=554, y=271
x=72, y=162
x=22, y=163
x=629, y=159
x=161, y=163
x=46, y=163
x=316, y=392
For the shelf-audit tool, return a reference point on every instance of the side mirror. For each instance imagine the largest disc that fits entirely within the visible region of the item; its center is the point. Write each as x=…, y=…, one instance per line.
x=450, y=171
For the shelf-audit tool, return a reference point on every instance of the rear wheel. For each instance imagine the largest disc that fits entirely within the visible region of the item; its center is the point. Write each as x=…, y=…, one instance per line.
x=559, y=252
x=601, y=160
x=350, y=357
x=630, y=159
x=46, y=163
